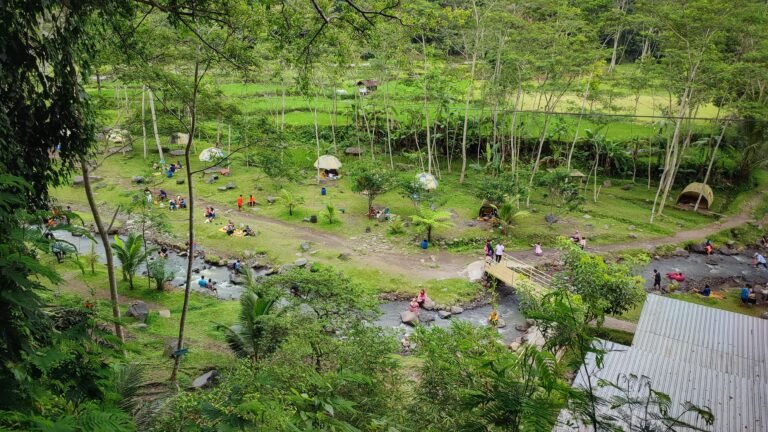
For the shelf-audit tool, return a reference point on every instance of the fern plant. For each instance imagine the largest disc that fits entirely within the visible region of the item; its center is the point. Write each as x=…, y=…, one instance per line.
x=91, y=258
x=396, y=225
x=430, y=220
x=330, y=213
x=290, y=201
x=131, y=254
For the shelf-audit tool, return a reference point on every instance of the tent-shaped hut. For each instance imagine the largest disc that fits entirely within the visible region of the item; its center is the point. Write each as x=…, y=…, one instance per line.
x=427, y=181
x=329, y=165
x=488, y=210
x=691, y=193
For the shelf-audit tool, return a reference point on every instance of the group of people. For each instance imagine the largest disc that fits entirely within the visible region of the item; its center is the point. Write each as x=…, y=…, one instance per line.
x=210, y=214
x=251, y=202
x=494, y=253
x=418, y=302
x=177, y=203
x=208, y=284
x=172, y=168
x=579, y=240
x=754, y=295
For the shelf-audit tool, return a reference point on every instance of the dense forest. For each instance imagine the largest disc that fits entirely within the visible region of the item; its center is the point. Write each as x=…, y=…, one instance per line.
x=594, y=112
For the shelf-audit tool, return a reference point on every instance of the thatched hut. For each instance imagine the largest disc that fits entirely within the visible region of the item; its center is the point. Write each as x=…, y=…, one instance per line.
x=691, y=194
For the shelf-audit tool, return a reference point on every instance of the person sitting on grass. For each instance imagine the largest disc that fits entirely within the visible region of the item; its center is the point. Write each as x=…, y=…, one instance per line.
x=230, y=228
x=706, y=291
x=249, y=232
x=172, y=205
x=251, y=201
x=748, y=296
x=163, y=195
x=183, y=203
x=212, y=287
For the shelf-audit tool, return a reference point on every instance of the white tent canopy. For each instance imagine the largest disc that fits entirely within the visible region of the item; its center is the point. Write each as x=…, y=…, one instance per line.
x=427, y=181
x=327, y=162
x=210, y=154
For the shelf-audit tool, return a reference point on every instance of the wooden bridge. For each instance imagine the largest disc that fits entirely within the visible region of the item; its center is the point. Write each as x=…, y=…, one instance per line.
x=511, y=270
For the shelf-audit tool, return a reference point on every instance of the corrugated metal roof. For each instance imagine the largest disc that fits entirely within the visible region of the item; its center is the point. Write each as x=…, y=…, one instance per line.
x=696, y=354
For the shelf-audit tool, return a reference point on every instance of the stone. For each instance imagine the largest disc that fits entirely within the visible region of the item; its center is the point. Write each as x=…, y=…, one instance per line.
x=698, y=248
x=313, y=219
x=429, y=304
x=222, y=188
x=530, y=322
x=501, y=323
x=427, y=317
x=169, y=348
x=138, y=179
x=626, y=187
x=353, y=151
x=607, y=183
x=206, y=380
x=475, y=271
x=730, y=243
x=236, y=279
x=631, y=227
x=230, y=185
x=78, y=180
x=176, y=152
x=470, y=223
x=271, y=199
x=409, y=318
x=140, y=326
x=344, y=257
x=285, y=268
x=521, y=327
x=632, y=235
x=586, y=216
x=444, y=314
x=550, y=218
x=164, y=313
x=210, y=180
x=725, y=250
x=138, y=310
x=180, y=181
x=305, y=246
x=514, y=346
x=455, y=310
x=301, y=262
x=680, y=252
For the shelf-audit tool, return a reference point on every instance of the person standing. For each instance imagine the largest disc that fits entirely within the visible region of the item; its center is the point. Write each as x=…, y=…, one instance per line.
x=499, y=252
x=537, y=249
x=240, y=203
x=656, y=280
x=488, y=251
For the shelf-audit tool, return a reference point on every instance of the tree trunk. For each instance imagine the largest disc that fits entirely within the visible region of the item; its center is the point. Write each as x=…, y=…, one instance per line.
x=709, y=167
x=143, y=119
x=333, y=123
x=113, y=296
x=317, y=137
x=389, y=127
x=426, y=106
x=466, y=114
x=191, y=221
x=154, y=125
x=578, y=122
x=615, y=52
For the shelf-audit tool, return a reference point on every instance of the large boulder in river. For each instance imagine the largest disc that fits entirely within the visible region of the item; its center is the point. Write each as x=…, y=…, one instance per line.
x=429, y=304
x=455, y=310
x=725, y=250
x=444, y=314
x=680, y=252
x=138, y=310
x=410, y=318
x=697, y=248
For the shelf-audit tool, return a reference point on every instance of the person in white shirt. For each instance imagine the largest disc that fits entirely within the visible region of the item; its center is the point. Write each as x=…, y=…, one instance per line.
x=499, y=252
x=760, y=261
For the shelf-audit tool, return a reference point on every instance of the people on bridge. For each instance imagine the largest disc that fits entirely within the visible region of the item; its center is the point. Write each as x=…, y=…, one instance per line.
x=499, y=252
x=488, y=251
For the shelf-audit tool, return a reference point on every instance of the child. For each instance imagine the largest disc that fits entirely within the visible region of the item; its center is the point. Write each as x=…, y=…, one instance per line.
x=240, y=203
x=537, y=249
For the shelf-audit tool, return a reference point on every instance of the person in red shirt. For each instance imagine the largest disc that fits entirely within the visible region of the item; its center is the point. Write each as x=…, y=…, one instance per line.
x=240, y=203
x=251, y=201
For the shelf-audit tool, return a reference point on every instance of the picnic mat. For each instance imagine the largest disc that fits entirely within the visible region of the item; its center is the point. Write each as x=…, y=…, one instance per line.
x=237, y=233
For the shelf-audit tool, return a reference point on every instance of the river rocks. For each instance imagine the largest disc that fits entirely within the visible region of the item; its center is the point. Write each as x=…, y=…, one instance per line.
x=138, y=310
x=301, y=262
x=455, y=310
x=444, y=314
x=212, y=260
x=514, y=346
x=427, y=317
x=305, y=246
x=680, y=252
x=429, y=304
x=725, y=250
x=211, y=179
x=206, y=380
x=353, y=151
x=409, y=318
x=501, y=323
x=138, y=179
x=164, y=313
x=550, y=218
x=271, y=199
x=530, y=322
x=475, y=271
x=285, y=268
x=236, y=279
x=698, y=248
x=535, y=337
x=521, y=327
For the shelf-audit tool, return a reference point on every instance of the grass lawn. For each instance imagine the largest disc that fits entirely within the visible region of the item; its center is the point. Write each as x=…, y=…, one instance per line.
x=731, y=302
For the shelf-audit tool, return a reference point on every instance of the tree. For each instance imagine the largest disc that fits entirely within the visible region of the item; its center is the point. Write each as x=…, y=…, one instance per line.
x=508, y=215
x=290, y=201
x=158, y=271
x=370, y=179
x=497, y=189
x=131, y=254
x=259, y=330
x=430, y=220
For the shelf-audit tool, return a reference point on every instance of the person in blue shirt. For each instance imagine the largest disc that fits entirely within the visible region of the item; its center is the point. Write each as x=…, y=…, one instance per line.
x=746, y=295
x=202, y=282
x=704, y=292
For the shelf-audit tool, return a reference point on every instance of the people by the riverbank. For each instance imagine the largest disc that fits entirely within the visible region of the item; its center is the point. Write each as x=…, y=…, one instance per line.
x=759, y=260
x=748, y=296
x=706, y=291
x=421, y=298
x=414, y=306
x=708, y=248
x=656, y=279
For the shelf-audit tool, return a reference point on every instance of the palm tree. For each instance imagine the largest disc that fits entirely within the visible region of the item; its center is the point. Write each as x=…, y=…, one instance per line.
x=258, y=331
x=290, y=201
x=508, y=215
x=131, y=254
x=430, y=219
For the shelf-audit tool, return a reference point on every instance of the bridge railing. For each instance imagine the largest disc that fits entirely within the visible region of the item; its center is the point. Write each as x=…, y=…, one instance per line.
x=527, y=270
